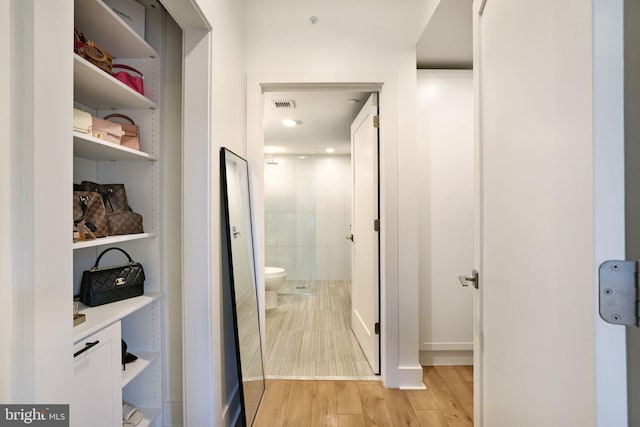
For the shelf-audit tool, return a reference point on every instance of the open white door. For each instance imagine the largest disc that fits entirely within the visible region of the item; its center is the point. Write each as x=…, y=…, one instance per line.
x=365, y=292
x=477, y=223
x=536, y=347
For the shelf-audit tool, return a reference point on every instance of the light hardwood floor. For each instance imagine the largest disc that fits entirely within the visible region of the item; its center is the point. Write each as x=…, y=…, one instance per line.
x=447, y=402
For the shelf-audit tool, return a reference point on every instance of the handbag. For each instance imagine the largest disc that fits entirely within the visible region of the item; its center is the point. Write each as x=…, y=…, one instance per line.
x=107, y=130
x=92, y=52
x=89, y=212
x=134, y=82
x=124, y=222
x=103, y=285
x=81, y=121
x=130, y=131
x=114, y=196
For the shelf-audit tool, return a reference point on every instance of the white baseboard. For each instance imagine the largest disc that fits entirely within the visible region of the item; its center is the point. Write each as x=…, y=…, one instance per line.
x=442, y=346
x=405, y=378
x=446, y=357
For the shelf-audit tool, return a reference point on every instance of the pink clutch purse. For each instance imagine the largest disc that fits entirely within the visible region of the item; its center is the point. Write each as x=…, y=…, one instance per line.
x=134, y=82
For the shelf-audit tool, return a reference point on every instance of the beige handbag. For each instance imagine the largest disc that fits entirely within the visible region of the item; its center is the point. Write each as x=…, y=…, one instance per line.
x=107, y=130
x=130, y=132
x=81, y=121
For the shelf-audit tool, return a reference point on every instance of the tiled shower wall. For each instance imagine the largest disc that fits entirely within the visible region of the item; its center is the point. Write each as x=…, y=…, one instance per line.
x=308, y=215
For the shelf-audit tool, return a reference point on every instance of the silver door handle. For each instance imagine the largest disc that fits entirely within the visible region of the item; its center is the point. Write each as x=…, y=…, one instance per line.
x=464, y=280
x=349, y=237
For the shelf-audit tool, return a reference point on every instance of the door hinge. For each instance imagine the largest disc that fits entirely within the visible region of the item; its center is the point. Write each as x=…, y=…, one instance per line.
x=376, y=225
x=376, y=328
x=618, y=291
x=376, y=121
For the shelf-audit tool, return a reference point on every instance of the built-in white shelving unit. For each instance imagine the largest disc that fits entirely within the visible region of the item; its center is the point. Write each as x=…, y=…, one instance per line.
x=101, y=23
x=111, y=240
x=133, y=369
x=96, y=88
x=104, y=315
x=137, y=319
x=87, y=147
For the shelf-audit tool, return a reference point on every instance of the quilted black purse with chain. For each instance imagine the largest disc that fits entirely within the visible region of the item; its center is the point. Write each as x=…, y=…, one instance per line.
x=102, y=285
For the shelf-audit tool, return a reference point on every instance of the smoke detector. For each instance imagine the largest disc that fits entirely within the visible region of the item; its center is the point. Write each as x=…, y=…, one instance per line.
x=284, y=103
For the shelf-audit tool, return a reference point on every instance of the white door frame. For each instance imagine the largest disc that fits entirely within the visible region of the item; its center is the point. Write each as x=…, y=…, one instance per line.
x=203, y=402
x=396, y=372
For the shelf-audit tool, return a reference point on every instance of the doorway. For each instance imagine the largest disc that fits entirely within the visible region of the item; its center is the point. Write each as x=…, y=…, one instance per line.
x=308, y=192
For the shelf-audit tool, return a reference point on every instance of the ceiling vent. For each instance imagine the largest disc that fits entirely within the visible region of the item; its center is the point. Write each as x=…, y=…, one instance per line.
x=284, y=103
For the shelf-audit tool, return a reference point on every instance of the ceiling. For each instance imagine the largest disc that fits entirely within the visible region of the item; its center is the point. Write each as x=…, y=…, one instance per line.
x=447, y=41
x=324, y=121
x=324, y=117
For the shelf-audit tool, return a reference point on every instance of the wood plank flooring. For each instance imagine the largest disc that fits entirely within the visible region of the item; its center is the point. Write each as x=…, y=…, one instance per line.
x=447, y=402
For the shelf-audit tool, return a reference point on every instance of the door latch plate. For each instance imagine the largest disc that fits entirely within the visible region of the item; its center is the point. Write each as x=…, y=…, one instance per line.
x=618, y=290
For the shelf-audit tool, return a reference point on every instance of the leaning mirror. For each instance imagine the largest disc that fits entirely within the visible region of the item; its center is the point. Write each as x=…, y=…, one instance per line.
x=236, y=212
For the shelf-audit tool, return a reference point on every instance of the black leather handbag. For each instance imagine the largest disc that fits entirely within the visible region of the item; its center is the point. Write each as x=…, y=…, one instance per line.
x=102, y=285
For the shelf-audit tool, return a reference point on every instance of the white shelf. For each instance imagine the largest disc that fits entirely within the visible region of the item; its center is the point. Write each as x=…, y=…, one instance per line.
x=91, y=148
x=136, y=367
x=99, y=90
x=101, y=25
x=104, y=315
x=150, y=414
x=101, y=241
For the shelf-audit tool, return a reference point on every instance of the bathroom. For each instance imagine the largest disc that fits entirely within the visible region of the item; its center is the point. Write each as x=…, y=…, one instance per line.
x=308, y=208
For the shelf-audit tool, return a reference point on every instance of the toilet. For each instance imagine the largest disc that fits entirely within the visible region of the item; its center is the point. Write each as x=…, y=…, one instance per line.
x=274, y=277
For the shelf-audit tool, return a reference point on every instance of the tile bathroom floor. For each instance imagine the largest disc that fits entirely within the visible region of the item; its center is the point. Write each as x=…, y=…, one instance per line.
x=309, y=335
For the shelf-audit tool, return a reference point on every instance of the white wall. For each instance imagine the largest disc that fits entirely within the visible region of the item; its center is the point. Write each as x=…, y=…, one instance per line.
x=6, y=131
x=307, y=216
x=445, y=152
x=38, y=148
x=227, y=94
x=365, y=42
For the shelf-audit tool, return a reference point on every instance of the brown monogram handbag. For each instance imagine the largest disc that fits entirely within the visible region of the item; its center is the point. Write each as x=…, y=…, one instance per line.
x=114, y=196
x=89, y=211
x=119, y=216
x=124, y=222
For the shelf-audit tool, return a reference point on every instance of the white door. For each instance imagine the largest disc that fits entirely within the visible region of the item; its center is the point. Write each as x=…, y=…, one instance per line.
x=365, y=243
x=536, y=303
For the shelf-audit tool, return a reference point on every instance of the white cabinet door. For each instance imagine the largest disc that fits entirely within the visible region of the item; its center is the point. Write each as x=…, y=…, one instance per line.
x=97, y=389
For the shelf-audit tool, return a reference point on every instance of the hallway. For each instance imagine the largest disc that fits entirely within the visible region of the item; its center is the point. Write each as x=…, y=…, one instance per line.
x=447, y=402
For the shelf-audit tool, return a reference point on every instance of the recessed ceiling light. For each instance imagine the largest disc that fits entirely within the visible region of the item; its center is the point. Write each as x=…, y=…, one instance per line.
x=289, y=123
x=302, y=157
x=353, y=101
x=330, y=150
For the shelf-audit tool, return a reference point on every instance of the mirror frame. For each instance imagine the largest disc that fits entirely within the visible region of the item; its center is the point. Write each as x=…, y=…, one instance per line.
x=246, y=419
